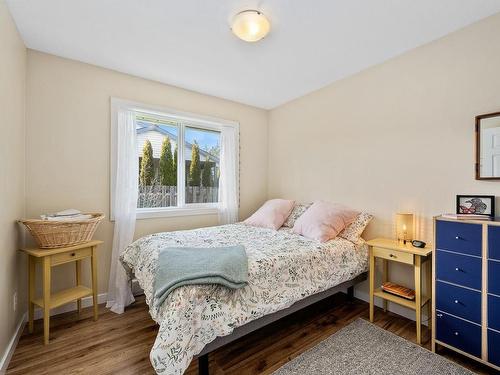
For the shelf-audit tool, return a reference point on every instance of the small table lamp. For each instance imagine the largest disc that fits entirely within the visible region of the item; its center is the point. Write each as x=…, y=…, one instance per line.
x=404, y=227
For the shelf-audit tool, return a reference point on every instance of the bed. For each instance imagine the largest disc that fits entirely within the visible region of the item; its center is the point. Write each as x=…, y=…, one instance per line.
x=285, y=269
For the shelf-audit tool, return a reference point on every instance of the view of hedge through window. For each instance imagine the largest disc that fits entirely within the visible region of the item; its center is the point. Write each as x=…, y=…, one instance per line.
x=202, y=150
x=158, y=151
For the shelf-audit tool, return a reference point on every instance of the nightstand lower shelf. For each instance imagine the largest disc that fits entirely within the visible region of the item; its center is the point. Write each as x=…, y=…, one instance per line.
x=65, y=296
x=399, y=300
x=393, y=251
x=49, y=258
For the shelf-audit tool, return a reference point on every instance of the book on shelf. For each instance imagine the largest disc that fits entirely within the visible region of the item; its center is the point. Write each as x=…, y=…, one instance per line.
x=398, y=290
x=466, y=217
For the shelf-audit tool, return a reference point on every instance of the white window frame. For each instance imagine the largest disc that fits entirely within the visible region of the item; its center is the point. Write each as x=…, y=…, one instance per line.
x=183, y=119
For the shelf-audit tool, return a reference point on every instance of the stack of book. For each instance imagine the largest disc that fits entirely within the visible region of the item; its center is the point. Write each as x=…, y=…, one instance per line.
x=398, y=290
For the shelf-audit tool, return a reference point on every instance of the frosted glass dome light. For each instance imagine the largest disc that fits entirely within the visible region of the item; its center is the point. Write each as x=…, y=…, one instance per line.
x=250, y=25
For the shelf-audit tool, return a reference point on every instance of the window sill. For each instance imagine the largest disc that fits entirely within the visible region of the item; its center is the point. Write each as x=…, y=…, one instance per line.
x=150, y=213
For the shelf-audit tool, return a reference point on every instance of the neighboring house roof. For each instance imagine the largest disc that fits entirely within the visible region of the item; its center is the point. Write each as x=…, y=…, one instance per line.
x=145, y=127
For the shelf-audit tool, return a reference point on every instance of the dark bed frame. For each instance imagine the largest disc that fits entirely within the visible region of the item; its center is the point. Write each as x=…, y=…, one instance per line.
x=268, y=319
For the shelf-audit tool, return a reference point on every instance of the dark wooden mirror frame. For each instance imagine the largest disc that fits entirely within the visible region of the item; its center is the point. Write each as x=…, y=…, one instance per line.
x=478, y=144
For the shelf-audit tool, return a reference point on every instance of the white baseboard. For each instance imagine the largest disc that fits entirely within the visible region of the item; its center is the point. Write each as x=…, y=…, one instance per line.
x=11, y=347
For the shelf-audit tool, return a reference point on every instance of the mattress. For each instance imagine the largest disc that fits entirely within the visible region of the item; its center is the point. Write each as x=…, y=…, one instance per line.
x=283, y=268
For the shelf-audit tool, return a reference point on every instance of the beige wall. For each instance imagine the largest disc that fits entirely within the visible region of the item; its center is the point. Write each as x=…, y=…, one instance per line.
x=396, y=137
x=12, y=151
x=68, y=144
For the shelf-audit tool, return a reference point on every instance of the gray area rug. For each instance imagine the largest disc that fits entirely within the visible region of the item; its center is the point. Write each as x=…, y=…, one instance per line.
x=363, y=348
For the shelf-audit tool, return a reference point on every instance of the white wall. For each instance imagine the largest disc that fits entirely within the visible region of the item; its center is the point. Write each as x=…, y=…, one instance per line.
x=68, y=144
x=12, y=172
x=396, y=137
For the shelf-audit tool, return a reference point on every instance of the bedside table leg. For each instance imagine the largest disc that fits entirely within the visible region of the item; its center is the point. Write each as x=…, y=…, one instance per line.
x=78, y=270
x=94, y=281
x=31, y=292
x=385, y=278
x=372, y=283
x=418, y=297
x=46, y=299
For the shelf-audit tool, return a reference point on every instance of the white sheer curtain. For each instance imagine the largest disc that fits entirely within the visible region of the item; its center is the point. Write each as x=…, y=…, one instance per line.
x=228, y=182
x=125, y=204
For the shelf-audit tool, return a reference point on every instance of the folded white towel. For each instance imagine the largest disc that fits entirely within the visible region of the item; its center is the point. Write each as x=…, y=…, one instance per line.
x=69, y=215
x=68, y=212
x=66, y=218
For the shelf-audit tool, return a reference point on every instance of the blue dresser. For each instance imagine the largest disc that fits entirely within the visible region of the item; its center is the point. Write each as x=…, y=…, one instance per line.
x=466, y=286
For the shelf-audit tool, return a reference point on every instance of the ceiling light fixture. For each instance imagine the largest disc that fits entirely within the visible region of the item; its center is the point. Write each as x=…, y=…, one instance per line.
x=250, y=25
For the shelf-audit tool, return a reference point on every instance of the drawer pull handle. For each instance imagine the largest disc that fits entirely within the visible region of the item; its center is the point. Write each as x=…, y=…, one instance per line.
x=457, y=237
x=439, y=315
x=456, y=333
x=392, y=256
x=456, y=301
x=457, y=269
x=73, y=254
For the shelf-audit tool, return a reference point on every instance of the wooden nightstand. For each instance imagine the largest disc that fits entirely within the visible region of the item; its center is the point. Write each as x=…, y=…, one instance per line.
x=395, y=251
x=54, y=257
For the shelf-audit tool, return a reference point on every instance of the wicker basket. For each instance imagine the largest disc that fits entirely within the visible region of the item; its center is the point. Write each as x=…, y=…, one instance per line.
x=51, y=234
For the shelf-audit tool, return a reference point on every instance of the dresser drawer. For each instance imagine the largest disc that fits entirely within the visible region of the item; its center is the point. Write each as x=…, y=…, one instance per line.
x=70, y=256
x=494, y=277
x=459, y=237
x=395, y=255
x=494, y=312
x=494, y=242
x=459, y=269
x=494, y=347
x=461, y=302
x=458, y=333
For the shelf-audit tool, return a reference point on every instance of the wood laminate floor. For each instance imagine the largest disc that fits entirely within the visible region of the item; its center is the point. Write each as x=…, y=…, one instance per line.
x=120, y=344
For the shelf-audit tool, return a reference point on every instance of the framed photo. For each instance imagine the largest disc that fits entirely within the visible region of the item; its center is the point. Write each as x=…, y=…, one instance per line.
x=476, y=205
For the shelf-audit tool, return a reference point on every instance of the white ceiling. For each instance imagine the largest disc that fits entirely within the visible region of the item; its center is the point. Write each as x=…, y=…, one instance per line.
x=188, y=43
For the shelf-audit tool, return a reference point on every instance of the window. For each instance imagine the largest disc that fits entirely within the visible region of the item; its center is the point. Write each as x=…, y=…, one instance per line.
x=178, y=158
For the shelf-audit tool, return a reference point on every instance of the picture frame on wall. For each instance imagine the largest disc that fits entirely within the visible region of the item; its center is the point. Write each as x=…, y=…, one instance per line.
x=476, y=205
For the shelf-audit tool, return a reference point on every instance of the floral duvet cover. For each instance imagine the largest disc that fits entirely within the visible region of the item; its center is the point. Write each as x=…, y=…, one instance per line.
x=283, y=267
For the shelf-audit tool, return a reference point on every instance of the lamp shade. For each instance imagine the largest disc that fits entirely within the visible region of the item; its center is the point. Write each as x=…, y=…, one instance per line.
x=250, y=25
x=405, y=224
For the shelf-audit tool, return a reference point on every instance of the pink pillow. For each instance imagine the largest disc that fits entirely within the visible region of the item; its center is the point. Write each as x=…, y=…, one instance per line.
x=272, y=214
x=324, y=220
